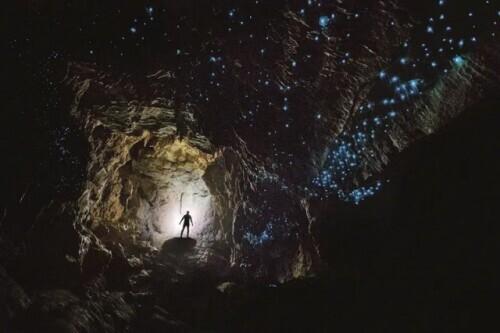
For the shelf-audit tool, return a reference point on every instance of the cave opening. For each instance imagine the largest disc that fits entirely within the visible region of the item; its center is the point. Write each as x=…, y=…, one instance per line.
x=170, y=180
x=184, y=195
x=144, y=184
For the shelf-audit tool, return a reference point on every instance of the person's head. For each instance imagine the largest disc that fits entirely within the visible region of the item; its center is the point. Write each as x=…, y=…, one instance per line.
x=187, y=213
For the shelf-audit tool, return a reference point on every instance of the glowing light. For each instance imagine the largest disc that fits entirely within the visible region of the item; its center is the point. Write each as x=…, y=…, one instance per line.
x=458, y=60
x=183, y=196
x=324, y=21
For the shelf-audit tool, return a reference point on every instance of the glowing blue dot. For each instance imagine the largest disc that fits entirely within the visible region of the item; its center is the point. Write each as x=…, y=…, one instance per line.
x=323, y=21
x=458, y=60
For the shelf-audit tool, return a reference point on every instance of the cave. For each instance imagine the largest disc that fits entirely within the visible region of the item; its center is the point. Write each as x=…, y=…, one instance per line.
x=339, y=160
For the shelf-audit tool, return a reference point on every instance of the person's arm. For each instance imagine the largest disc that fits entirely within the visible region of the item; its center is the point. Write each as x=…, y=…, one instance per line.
x=182, y=218
x=192, y=222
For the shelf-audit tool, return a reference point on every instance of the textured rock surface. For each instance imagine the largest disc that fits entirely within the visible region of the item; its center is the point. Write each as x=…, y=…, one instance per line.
x=12, y=297
x=62, y=311
x=239, y=134
x=140, y=164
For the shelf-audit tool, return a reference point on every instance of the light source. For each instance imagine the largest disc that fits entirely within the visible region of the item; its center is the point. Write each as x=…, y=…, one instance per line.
x=182, y=196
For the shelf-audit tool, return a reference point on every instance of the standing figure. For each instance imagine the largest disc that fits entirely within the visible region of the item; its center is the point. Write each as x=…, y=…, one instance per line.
x=187, y=219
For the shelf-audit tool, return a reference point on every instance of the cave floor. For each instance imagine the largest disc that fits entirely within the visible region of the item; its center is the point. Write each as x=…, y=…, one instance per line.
x=188, y=288
x=190, y=278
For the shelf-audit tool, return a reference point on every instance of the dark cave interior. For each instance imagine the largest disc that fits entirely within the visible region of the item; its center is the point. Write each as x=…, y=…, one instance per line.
x=339, y=158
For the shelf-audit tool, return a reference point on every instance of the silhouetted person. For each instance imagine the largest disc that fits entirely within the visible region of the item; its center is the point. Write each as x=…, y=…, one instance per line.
x=187, y=219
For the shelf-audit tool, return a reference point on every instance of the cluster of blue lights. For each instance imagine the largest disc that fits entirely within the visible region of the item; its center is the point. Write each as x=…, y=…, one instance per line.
x=267, y=96
x=257, y=239
x=428, y=56
x=361, y=193
x=276, y=227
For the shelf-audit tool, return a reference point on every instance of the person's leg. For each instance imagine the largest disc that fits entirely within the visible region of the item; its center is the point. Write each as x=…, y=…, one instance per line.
x=182, y=231
x=188, y=231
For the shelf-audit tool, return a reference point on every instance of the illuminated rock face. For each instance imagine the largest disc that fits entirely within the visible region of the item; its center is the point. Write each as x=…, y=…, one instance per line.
x=176, y=170
x=146, y=185
x=141, y=176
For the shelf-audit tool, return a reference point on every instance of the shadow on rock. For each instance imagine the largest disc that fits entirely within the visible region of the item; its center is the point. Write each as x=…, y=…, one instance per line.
x=178, y=246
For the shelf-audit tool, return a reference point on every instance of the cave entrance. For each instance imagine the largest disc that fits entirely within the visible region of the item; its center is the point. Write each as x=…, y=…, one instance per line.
x=183, y=194
x=168, y=178
x=177, y=170
x=143, y=184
